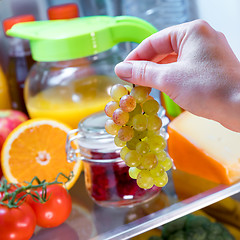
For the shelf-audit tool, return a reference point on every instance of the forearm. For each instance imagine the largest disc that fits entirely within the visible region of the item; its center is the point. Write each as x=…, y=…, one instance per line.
x=203, y=77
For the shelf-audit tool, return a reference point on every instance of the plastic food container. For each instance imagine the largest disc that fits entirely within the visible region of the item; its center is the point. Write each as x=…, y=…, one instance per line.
x=106, y=175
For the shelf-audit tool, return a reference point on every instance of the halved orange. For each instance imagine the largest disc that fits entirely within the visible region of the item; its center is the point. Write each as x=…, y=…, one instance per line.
x=37, y=148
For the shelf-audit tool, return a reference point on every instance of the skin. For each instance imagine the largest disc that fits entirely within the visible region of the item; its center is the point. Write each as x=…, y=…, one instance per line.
x=194, y=65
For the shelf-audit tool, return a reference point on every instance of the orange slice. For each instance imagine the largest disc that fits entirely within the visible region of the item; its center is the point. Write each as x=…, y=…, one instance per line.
x=37, y=148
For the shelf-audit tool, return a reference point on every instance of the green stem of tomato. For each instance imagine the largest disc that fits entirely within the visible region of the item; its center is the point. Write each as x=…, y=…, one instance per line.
x=10, y=199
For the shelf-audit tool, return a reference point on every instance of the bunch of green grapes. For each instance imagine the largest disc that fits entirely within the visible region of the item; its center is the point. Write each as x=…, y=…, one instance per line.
x=134, y=121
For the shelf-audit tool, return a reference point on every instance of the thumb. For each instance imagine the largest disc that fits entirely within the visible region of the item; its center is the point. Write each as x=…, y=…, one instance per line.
x=144, y=73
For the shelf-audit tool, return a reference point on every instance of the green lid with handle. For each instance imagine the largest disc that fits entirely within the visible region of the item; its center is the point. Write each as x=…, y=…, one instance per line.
x=61, y=40
x=80, y=37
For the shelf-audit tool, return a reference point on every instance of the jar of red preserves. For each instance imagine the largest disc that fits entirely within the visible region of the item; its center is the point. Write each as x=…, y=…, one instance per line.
x=106, y=174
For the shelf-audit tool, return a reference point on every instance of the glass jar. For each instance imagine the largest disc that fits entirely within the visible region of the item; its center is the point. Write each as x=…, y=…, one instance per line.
x=106, y=174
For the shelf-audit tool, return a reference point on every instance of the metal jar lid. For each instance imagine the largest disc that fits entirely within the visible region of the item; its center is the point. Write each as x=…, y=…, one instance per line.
x=91, y=136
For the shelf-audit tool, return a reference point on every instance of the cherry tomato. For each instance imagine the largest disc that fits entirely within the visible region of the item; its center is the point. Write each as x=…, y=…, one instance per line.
x=55, y=210
x=17, y=223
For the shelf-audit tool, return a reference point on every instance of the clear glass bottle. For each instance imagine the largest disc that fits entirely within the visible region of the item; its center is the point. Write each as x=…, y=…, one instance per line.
x=19, y=63
x=160, y=13
x=106, y=174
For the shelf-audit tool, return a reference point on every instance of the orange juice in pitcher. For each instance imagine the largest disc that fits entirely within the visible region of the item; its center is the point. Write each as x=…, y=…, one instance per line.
x=73, y=102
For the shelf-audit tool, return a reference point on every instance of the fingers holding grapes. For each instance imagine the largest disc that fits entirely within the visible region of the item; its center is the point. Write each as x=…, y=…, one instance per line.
x=136, y=126
x=194, y=65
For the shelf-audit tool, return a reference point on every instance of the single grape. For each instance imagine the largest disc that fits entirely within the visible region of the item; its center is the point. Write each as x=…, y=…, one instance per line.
x=123, y=152
x=110, y=108
x=132, y=143
x=132, y=159
x=167, y=164
x=156, y=143
x=111, y=127
x=161, y=155
x=142, y=148
x=125, y=133
x=145, y=180
x=152, y=133
x=155, y=147
x=149, y=161
x=120, y=117
x=159, y=139
x=118, y=142
x=150, y=107
x=140, y=93
x=140, y=134
x=127, y=103
x=117, y=91
x=137, y=110
x=140, y=122
x=154, y=123
x=158, y=171
x=133, y=172
x=162, y=180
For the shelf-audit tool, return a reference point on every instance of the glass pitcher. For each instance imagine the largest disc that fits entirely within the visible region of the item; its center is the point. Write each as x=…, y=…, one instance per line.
x=75, y=63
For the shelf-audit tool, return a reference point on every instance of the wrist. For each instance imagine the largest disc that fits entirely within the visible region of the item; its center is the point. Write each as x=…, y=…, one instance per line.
x=232, y=103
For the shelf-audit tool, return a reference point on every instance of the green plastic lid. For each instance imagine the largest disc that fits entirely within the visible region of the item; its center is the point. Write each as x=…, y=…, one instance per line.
x=60, y=40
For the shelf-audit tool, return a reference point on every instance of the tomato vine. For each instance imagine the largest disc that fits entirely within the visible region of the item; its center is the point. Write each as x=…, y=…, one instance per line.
x=15, y=198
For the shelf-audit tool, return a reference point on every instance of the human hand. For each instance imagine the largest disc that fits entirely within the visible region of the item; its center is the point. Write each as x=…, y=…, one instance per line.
x=194, y=65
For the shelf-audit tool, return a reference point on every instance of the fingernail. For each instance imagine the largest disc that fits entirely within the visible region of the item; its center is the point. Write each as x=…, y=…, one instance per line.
x=124, y=69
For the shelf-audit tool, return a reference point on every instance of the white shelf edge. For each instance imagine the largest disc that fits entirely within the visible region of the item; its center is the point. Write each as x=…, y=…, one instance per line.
x=171, y=213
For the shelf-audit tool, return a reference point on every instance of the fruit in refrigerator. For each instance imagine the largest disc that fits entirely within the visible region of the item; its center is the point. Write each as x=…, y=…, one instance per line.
x=37, y=148
x=135, y=112
x=9, y=119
